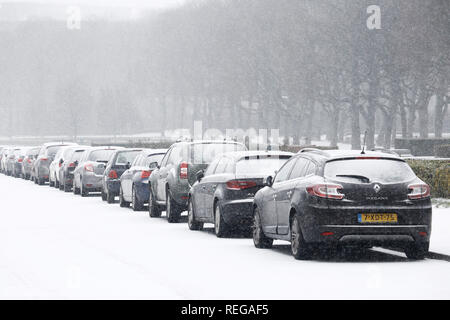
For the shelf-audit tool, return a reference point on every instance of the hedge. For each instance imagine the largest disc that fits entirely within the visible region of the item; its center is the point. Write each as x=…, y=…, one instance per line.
x=442, y=151
x=435, y=173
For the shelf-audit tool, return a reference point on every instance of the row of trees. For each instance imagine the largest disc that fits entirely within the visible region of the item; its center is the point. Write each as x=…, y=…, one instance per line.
x=304, y=67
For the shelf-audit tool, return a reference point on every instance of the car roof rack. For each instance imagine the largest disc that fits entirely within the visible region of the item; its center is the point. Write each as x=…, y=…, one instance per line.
x=313, y=150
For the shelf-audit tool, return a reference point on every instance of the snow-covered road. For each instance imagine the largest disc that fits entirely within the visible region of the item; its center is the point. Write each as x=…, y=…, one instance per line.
x=57, y=245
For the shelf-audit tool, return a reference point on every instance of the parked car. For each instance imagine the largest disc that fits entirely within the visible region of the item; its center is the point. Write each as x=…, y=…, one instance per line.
x=223, y=194
x=3, y=157
x=120, y=161
x=56, y=165
x=68, y=166
x=11, y=160
x=134, y=187
x=170, y=183
x=19, y=156
x=330, y=199
x=87, y=177
x=27, y=163
x=41, y=166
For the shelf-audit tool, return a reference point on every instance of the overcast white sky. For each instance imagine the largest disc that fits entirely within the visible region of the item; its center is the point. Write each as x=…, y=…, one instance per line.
x=127, y=3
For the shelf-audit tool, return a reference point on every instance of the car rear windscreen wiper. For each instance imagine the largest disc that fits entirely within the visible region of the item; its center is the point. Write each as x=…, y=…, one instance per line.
x=362, y=178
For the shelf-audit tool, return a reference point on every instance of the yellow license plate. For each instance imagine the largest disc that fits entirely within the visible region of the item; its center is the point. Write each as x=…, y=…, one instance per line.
x=377, y=218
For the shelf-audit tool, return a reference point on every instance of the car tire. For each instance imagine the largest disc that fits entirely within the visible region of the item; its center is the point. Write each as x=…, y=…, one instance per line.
x=83, y=192
x=260, y=240
x=221, y=229
x=192, y=223
x=103, y=195
x=122, y=202
x=51, y=184
x=299, y=248
x=135, y=203
x=417, y=251
x=109, y=198
x=172, y=211
x=40, y=182
x=154, y=211
x=57, y=184
x=75, y=189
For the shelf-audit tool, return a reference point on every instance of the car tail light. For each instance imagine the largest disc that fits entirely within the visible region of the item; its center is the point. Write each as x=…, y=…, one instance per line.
x=240, y=184
x=418, y=191
x=60, y=164
x=184, y=170
x=327, y=233
x=44, y=159
x=113, y=174
x=89, y=167
x=329, y=191
x=71, y=165
x=29, y=160
x=145, y=174
x=20, y=160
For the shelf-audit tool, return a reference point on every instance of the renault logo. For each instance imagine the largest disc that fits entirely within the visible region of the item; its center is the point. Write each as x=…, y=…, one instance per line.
x=377, y=188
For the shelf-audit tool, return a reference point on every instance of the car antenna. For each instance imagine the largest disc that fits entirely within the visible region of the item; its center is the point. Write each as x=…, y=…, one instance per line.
x=364, y=144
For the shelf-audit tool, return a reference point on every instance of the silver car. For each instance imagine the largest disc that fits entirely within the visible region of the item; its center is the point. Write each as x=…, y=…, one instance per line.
x=41, y=167
x=62, y=154
x=87, y=177
x=27, y=164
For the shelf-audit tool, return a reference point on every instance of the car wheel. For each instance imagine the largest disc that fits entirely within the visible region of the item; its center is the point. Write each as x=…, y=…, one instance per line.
x=84, y=193
x=260, y=240
x=299, y=247
x=57, y=184
x=417, y=251
x=135, y=203
x=103, y=195
x=122, y=202
x=154, y=211
x=51, y=184
x=172, y=211
x=220, y=227
x=40, y=181
x=109, y=197
x=192, y=223
x=75, y=189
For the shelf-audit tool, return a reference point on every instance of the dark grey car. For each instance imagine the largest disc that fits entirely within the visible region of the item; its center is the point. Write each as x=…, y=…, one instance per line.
x=171, y=181
x=224, y=193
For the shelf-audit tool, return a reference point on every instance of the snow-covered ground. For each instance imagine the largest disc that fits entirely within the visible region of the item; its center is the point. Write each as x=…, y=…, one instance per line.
x=57, y=245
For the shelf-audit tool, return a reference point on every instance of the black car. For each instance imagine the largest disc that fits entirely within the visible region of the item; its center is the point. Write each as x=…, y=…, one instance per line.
x=224, y=193
x=119, y=162
x=330, y=199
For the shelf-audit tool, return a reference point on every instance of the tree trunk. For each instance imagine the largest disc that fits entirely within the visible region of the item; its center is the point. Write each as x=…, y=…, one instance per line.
x=334, y=128
x=411, y=121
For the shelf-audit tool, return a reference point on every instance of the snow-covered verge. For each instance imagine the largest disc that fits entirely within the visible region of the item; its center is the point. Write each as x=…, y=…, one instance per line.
x=57, y=245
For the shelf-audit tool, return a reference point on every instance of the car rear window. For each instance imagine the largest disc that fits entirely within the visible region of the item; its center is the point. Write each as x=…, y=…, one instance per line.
x=51, y=151
x=374, y=170
x=153, y=158
x=77, y=155
x=260, y=167
x=204, y=153
x=101, y=155
x=125, y=157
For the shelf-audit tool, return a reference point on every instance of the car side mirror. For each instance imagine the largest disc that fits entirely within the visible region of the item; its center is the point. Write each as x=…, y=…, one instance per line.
x=268, y=181
x=61, y=161
x=200, y=175
x=128, y=165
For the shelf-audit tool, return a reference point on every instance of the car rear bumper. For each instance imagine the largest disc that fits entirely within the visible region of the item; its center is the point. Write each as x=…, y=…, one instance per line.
x=92, y=182
x=113, y=186
x=238, y=212
x=380, y=235
x=142, y=192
